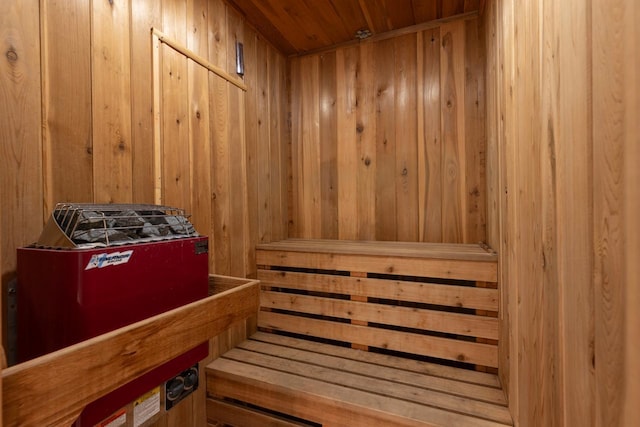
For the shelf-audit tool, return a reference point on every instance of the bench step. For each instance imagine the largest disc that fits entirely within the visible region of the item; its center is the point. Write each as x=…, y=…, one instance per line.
x=333, y=385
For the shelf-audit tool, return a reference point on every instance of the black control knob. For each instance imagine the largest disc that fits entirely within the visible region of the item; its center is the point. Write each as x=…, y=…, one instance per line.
x=190, y=379
x=175, y=388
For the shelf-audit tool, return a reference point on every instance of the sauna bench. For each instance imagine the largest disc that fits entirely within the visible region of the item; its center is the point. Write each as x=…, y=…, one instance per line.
x=366, y=333
x=53, y=389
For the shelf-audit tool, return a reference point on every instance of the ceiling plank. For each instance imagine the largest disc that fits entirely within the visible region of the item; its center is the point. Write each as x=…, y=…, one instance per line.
x=399, y=13
x=425, y=10
x=452, y=7
x=256, y=18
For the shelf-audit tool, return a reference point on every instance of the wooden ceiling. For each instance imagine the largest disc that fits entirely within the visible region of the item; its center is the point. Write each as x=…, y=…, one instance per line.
x=298, y=26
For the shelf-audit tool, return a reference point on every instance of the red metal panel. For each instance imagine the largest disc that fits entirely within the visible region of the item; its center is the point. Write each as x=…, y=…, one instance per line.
x=67, y=296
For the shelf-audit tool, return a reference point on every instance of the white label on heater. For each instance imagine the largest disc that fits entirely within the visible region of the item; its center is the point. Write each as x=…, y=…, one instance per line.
x=105, y=260
x=146, y=407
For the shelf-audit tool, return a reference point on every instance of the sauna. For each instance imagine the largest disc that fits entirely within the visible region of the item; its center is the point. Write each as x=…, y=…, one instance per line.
x=402, y=212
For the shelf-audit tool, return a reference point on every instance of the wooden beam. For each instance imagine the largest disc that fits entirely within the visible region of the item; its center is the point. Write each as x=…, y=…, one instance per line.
x=199, y=59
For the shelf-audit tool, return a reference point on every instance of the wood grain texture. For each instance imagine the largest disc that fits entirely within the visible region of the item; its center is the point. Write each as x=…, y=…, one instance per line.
x=111, y=94
x=145, y=14
x=66, y=100
x=390, y=176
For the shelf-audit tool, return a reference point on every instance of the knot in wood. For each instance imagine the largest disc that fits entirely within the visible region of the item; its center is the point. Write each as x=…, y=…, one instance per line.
x=12, y=55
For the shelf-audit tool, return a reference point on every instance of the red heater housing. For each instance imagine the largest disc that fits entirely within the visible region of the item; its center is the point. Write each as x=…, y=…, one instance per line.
x=73, y=293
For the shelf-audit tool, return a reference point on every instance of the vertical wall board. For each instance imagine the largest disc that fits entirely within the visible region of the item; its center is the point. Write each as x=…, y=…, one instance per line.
x=21, y=190
x=550, y=139
x=406, y=137
x=575, y=211
x=145, y=14
x=475, y=214
x=488, y=31
x=366, y=128
x=430, y=141
x=328, y=146
x=251, y=130
x=275, y=143
x=609, y=86
x=295, y=217
x=111, y=97
x=528, y=274
x=347, y=150
x=66, y=103
x=176, y=152
x=631, y=57
x=385, y=197
x=285, y=148
x=452, y=70
x=263, y=120
x=198, y=118
x=238, y=221
x=309, y=147
x=218, y=94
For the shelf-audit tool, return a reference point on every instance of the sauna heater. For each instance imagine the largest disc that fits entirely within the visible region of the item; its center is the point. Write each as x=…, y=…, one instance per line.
x=96, y=268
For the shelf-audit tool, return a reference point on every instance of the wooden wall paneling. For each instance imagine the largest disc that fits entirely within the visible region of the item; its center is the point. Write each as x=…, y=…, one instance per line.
x=66, y=103
x=509, y=220
x=145, y=14
x=251, y=130
x=295, y=213
x=429, y=137
x=489, y=31
x=528, y=272
x=239, y=218
x=631, y=58
x=277, y=109
x=385, y=166
x=111, y=98
x=550, y=135
x=263, y=119
x=218, y=95
x=452, y=74
x=309, y=146
x=474, y=190
x=610, y=83
x=21, y=188
x=366, y=128
x=198, y=117
x=328, y=146
x=176, y=152
x=575, y=206
x=346, y=145
x=406, y=137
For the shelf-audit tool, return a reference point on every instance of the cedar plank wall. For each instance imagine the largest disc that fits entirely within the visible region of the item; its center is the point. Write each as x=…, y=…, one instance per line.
x=76, y=124
x=388, y=139
x=563, y=206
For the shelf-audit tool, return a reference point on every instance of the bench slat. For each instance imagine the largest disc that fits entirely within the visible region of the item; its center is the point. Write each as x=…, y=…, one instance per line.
x=382, y=264
x=386, y=388
x=324, y=402
x=440, y=321
x=383, y=360
x=428, y=293
x=444, y=348
x=469, y=252
x=228, y=413
x=458, y=388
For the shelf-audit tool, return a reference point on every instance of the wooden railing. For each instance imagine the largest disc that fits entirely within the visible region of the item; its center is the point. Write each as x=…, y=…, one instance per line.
x=54, y=389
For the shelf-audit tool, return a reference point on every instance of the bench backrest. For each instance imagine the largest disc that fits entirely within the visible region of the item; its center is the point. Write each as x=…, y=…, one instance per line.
x=433, y=300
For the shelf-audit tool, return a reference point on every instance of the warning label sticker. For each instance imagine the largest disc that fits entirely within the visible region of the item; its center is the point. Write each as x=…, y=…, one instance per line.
x=119, y=418
x=105, y=260
x=146, y=406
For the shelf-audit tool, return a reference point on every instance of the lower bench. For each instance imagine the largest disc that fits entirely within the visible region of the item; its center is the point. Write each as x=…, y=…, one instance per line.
x=357, y=333
x=337, y=386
